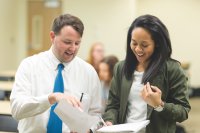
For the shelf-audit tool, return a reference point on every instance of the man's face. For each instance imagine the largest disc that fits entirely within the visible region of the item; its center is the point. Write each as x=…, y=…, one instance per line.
x=65, y=44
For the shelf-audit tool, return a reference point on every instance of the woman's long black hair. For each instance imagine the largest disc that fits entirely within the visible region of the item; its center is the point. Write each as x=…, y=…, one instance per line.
x=162, y=52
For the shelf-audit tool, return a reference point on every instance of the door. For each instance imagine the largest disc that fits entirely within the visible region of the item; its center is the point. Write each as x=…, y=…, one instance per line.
x=40, y=18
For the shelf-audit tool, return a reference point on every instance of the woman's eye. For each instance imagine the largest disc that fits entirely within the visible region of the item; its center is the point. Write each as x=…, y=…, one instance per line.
x=133, y=43
x=144, y=46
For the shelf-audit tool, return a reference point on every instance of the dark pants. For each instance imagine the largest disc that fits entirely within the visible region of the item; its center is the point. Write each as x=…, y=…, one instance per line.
x=180, y=129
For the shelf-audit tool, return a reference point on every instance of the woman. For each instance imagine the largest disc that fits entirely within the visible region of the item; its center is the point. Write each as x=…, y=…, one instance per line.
x=148, y=84
x=96, y=54
x=106, y=67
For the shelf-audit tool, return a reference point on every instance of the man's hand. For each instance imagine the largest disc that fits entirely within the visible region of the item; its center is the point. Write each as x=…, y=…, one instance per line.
x=56, y=97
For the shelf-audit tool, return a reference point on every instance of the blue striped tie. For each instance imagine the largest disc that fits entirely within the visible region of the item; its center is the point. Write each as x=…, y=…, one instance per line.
x=55, y=123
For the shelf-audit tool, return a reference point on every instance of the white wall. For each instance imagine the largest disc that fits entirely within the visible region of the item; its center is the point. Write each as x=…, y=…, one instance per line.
x=12, y=33
x=108, y=21
x=21, y=34
x=182, y=19
x=8, y=34
x=105, y=20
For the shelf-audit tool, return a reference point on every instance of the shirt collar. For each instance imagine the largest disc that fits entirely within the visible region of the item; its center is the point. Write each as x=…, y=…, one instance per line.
x=54, y=61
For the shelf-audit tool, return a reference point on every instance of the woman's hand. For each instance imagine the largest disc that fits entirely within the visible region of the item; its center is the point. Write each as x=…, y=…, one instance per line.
x=151, y=95
x=108, y=123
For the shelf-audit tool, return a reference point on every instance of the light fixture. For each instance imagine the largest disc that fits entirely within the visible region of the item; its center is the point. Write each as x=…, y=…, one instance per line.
x=51, y=3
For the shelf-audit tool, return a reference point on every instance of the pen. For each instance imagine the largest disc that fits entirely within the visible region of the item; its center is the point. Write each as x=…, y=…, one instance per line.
x=102, y=120
x=81, y=97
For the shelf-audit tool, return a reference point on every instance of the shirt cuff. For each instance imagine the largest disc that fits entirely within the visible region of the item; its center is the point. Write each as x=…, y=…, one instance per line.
x=44, y=100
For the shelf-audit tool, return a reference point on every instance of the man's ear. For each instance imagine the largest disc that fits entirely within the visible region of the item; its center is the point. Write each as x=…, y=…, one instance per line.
x=52, y=36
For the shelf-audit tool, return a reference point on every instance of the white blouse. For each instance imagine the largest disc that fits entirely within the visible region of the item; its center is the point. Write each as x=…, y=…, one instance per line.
x=137, y=107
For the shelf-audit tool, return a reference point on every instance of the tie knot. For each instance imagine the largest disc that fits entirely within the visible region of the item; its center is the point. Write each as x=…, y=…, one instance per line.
x=60, y=66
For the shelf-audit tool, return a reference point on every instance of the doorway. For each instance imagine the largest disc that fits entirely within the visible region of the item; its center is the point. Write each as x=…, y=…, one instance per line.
x=40, y=18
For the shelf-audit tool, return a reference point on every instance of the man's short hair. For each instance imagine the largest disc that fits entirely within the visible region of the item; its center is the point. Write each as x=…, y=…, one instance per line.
x=67, y=20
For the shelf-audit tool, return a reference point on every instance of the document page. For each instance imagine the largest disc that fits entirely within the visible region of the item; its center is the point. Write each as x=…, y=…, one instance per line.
x=125, y=128
x=76, y=120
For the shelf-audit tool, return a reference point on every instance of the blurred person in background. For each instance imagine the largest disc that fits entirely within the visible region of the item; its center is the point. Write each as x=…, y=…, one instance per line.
x=96, y=54
x=106, y=67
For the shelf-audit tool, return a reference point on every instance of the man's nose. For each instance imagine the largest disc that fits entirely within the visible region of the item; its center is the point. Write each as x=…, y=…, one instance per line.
x=73, y=47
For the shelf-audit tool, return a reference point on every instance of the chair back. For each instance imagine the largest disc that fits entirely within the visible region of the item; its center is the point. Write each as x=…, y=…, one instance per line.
x=8, y=123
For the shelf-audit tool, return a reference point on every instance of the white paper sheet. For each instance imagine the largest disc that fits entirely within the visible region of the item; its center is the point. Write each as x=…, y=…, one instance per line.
x=76, y=120
x=125, y=128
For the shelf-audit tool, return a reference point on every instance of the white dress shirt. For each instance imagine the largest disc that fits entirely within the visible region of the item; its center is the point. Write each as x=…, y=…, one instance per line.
x=34, y=81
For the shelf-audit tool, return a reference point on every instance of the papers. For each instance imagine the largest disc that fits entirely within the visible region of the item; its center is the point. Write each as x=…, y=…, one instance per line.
x=76, y=120
x=81, y=122
x=128, y=127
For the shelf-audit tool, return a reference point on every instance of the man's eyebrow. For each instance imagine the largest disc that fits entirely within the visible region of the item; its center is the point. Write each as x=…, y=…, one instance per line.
x=67, y=40
x=71, y=40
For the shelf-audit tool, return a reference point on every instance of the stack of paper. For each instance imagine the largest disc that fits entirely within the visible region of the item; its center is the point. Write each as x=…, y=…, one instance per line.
x=124, y=128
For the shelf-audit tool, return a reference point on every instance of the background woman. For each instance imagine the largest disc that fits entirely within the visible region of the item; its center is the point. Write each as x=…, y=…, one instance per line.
x=96, y=54
x=106, y=67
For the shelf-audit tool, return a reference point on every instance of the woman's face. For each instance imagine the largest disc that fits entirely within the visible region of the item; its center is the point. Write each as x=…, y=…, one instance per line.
x=98, y=52
x=104, y=73
x=142, y=45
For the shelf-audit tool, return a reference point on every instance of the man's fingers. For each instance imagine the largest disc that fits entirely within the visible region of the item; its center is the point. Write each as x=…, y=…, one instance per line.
x=70, y=99
x=75, y=102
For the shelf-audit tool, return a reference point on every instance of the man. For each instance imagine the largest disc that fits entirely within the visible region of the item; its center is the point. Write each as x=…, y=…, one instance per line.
x=33, y=91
